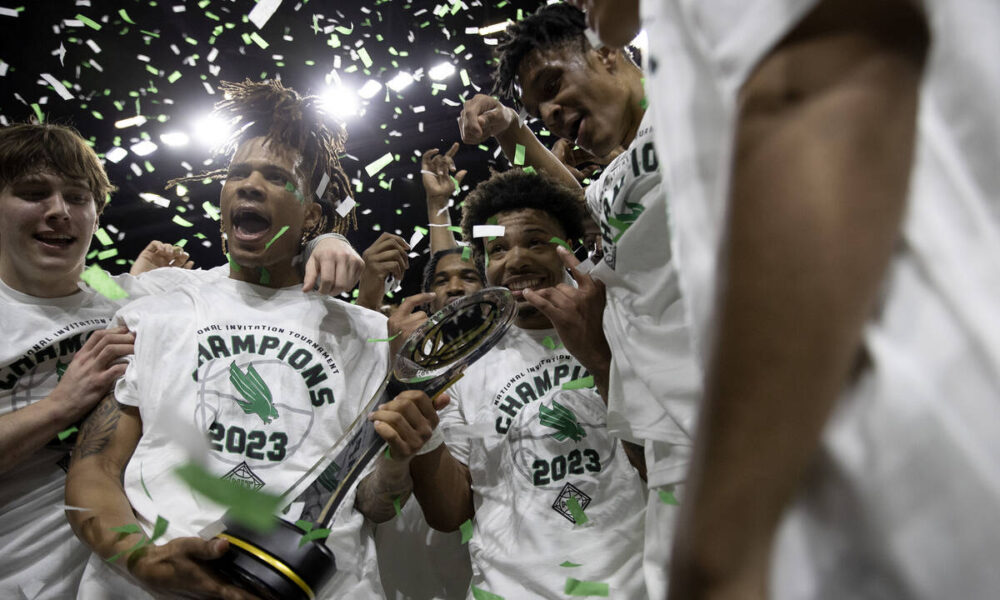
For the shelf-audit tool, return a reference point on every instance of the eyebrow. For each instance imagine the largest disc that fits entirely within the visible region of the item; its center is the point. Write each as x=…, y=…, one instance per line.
x=264, y=167
x=533, y=81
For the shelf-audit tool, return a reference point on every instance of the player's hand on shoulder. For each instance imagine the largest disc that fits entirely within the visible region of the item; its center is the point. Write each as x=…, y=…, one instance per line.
x=92, y=372
x=157, y=254
x=333, y=267
x=181, y=567
x=484, y=117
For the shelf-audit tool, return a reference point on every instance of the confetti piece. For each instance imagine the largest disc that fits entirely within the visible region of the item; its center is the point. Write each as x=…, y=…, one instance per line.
x=57, y=86
x=481, y=231
x=182, y=221
x=125, y=17
x=466, y=253
x=579, y=384
x=345, y=206
x=281, y=232
x=102, y=283
x=232, y=263
x=314, y=534
x=103, y=237
x=466, y=529
x=667, y=497
x=252, y=508
x=455, y=229
x=259, y=40
x=569, y=565
x=159, y=528
x=379, y=164
x=321, y=188
x=478, y=594
x=550, y=342
x=518, y=155
x=142, y=481
x=561, y=242
x=265, y=276
x=388, y=339
x=263, y=12
x=89, y=22
x=210, y=210
x=575, y=587
x=395, y=505
x=127, y=529
x=62, y=435
x=575, y=511
x=530, y=171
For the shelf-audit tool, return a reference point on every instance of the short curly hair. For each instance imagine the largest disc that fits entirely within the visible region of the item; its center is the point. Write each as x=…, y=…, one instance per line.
x=30, y=148
x=548, y=27
x=269, y=109
x=516, y=190
x=431, y=269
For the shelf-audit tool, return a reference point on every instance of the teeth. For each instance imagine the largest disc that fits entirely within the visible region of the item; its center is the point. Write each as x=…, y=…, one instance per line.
x=523, y=284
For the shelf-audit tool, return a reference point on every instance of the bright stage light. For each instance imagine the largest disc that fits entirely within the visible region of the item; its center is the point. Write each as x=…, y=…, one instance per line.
x=143, y=148
x=400, y=81
x=175, y=138
x=340, y=101
x=369, y=89
x=211, y=131
x=441, y=71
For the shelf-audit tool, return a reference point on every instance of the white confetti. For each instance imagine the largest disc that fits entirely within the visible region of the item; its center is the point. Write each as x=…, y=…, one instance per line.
x=59, y=87
x=263, y=11
x=322, y=185
x=7, y=12
x=345, y=206
x=481, y=231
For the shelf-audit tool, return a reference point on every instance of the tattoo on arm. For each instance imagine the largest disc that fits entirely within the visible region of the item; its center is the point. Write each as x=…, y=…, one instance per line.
x=97, y=430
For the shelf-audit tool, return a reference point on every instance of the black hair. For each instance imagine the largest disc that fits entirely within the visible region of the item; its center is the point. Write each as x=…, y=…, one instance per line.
x=548, y=27
x=431, y=269
x=269, y=109
x=517, y=190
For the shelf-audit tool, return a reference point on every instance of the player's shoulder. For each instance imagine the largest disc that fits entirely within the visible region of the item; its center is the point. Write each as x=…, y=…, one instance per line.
x=359, y=317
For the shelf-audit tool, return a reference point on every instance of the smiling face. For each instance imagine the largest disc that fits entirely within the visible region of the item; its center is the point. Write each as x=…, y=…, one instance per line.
x=257, y=203
x=524, y=258
x=46, y=223
x=453, y=278
x=591, y=98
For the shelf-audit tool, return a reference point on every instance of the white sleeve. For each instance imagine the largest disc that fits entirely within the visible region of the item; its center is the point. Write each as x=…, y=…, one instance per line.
x=127, y=387
x=453, y=423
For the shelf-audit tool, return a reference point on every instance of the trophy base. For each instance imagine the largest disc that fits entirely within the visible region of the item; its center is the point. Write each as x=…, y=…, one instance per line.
x=274, y=565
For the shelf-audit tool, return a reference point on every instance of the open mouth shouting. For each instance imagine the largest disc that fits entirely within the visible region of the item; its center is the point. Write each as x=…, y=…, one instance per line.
x=250, y=224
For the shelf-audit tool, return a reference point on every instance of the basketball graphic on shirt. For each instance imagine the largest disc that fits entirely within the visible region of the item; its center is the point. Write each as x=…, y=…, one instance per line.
x=258, y=395
x=560, y=438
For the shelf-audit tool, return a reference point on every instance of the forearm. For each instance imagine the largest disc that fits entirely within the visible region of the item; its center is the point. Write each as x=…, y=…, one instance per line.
x=370, y=293
x=23, y=432
x=443, y=487
x=536, y=155
x=438, y=221
x=379, y=492
x=818, y=193
x=95, y=485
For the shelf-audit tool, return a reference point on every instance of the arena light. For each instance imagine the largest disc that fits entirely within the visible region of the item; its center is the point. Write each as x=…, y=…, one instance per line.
x=143, y=148
x=211, y=131
x=369, y=89
x=341, y=101
x=400, y=82
x=441, y=71
x=175, y=138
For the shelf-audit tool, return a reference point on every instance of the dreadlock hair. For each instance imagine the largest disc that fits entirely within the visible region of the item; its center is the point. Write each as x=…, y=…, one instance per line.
x=517, y=190
x=548, y=27
x=431, y=269
x=269, y=109
x=30, y=148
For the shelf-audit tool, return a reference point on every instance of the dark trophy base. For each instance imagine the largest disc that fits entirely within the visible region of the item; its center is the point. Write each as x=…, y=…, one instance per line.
x=273, y=565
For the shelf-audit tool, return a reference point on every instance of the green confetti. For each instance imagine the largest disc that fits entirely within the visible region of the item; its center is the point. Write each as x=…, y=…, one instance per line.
x=210, y=210
x=127, y=529
x=466, y=529
x=142, y=481
x=379, y=164
x=313, y=534
x=667, y=497
x=89, y=22
x=62, y=435
x=518, y=155
x=643, y=104
x=102, y=283
x=107, y=253
x=388, y=453
x=396, y=506
x=575, y=587
x=561, y=242
x=550, y=342
x=579, y=517
x=365, y=59
x=455, y=181
x=579, y=384
x=38, y=112
x=478, y=594
x=124, y=15
x=252, y=508
x=388, y=339
x=103, y=237
x=174, y=76
x=570, y=565
x=259, y=40
x=235, y=266
x=265, y=276
x=182, y=221
x=455, y=229
x=530, y=171
x=281, y=232
x=159, y=528
x=466, y=253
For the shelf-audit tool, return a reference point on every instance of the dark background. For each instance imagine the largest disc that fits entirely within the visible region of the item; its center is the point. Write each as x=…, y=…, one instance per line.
x=116, y=83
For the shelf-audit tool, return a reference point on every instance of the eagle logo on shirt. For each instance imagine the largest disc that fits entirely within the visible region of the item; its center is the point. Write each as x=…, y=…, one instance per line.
x=256, y=395
x=561, y=419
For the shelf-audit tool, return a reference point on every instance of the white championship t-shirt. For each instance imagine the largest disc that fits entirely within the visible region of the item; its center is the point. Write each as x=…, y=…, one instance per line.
x=310, y=355
x=654, y=380
x=42, y=557
x=531, y=447
x=904, y=498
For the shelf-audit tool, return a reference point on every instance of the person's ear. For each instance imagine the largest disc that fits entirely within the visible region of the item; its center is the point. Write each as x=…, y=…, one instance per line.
x=314, y=213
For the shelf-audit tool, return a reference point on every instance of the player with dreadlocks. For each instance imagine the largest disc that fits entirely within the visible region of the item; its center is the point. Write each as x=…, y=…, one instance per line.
x=271, y=375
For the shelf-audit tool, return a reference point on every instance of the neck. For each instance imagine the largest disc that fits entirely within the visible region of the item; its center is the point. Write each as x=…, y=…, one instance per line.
x=54, y=286
x=278, y=275
x=636, y=104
